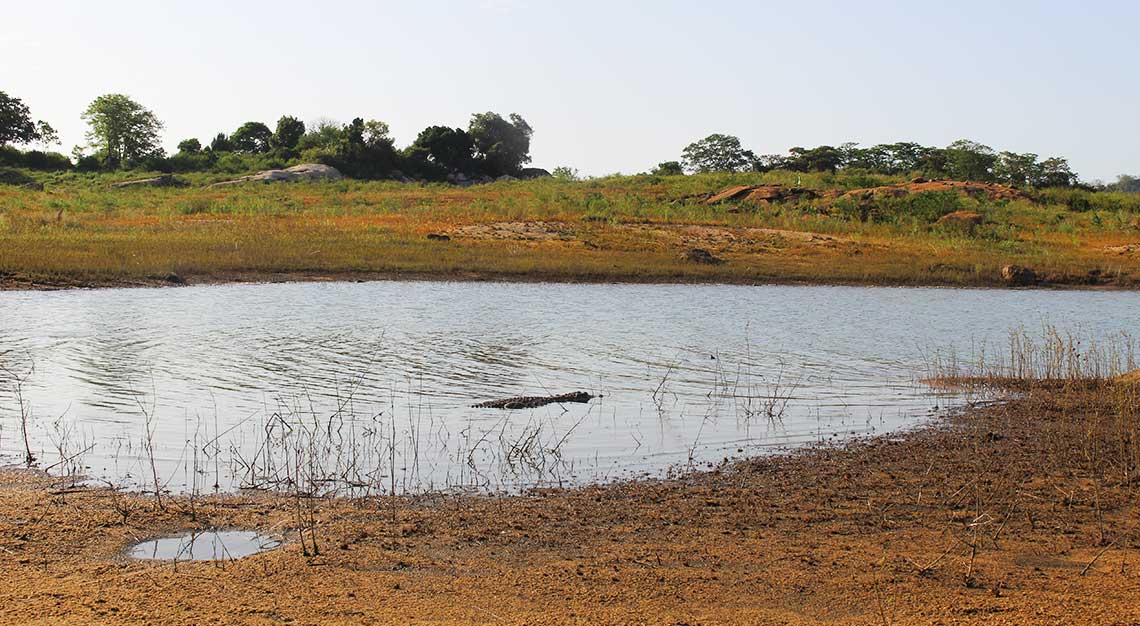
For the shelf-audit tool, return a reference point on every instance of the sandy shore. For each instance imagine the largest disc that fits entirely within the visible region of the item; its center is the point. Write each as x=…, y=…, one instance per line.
x=1013, y=514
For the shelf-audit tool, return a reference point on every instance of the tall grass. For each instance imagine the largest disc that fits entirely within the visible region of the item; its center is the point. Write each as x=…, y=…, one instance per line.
x=1048, y=356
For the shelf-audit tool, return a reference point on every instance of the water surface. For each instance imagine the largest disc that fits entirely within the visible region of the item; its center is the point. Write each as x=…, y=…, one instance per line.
x=210, y=545
x=369, y=386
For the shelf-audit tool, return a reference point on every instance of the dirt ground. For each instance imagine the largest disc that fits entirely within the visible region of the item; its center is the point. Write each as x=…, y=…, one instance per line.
x=1022, y=513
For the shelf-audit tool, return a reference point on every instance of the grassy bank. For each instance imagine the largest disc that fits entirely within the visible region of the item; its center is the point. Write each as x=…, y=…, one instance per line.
x=1019, y=513
x=81, y=232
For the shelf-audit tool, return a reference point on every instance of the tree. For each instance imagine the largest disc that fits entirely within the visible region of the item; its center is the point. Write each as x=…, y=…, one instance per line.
x=16, y=125
x=47, y=134
x=969, y=160
x=503, y=146
x=221, y=143
x=288, y=134
x=668, y=168
x=363, y=150
x=1126, y=184
x=1017, y=170
x=565, y=172
x=122, y=130
x=717, y=153
x=769, y=162
x=190, y=146
x=450, y=149
x=820, y=159
x=324, y=134
x=251, y=138
x=1054, y=172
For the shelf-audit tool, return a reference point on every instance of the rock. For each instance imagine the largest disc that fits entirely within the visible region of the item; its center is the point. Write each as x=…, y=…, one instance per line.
x=966, y=220
x=304, y=172
x=700, y=255
x=528, y=173
x=918, y=179
x=1017, y=276
x=438, y=237
x=1125, y=250
x=174, y=279
x=731, y=193
x=166, y=180
x=762, y=194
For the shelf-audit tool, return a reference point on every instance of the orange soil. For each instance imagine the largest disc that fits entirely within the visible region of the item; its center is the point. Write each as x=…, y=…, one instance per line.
x=1016, y=514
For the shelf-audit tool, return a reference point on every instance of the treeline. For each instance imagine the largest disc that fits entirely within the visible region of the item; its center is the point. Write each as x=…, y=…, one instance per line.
x=125, y=135
x=961, y=160
x=491, y=146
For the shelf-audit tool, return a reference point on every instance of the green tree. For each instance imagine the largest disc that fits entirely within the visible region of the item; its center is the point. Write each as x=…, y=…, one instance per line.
x=820, y=159
x=16, y=125
x=1017, y=170
x=190, y=146
x=47, y=134
x=251, y=138
x=221, y=143
x=565, y=172
x=324, y=134
x=1054, y=172
x=443, y=150
x=503, y=146
x=122, y=130
x=1126, y=184
x=288, y=134
x=668, y=168
x=717, y=153
x=969, y=160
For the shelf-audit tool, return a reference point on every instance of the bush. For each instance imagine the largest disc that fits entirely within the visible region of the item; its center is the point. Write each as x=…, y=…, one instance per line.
x=14, y=177
x=34, y=159
x=923, y=208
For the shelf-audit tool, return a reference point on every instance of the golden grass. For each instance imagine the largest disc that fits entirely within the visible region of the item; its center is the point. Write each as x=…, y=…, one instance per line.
x=619, y=229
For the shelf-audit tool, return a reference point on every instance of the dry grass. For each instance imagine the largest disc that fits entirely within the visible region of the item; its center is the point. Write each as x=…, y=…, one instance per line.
x=616, y=229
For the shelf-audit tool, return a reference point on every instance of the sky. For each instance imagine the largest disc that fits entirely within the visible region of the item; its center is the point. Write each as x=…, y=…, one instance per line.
x=610, y=86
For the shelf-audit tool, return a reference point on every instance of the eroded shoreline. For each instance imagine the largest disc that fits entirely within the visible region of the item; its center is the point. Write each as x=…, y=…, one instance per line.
x=1017, y=513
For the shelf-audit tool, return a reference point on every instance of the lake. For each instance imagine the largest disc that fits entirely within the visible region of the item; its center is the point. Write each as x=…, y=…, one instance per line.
x=370, y=386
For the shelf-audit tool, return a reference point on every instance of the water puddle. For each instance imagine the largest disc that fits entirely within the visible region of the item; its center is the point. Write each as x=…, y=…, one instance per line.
x=212, y=545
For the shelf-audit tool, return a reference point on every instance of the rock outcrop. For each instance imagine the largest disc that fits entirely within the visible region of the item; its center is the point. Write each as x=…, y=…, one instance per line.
x=700, y=255
x=1018, y=276
x=964, y=220
x=306, y=172
x=166, y=180
x=767, y=194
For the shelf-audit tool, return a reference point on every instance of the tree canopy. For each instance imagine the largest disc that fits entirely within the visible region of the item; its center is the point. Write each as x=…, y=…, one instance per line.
x=122, y=130
x=16, y=125
x=502, y=146
x=717, y=153
x=441, y=150
x=288, y=134
x=251, y=138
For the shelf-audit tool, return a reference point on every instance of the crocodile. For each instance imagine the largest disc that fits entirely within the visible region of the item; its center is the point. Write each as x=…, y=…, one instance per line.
x=531, y=402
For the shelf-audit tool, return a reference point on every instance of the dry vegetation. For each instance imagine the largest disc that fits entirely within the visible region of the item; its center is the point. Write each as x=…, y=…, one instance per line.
x=80, y=232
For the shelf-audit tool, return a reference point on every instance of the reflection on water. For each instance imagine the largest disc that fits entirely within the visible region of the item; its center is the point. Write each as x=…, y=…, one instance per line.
x=212, y=545
x=377, y=380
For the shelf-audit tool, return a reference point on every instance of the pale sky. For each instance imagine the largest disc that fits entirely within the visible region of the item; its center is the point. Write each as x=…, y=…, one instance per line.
x=608, y=86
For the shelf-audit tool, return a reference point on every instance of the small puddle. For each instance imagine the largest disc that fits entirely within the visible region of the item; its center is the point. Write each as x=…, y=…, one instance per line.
x=210, y=545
